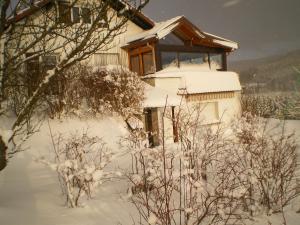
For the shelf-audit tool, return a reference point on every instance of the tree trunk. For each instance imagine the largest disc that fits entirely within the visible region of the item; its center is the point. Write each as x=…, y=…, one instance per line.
x=3, y=159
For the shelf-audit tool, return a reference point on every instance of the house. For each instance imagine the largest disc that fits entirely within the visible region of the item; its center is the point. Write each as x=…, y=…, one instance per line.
x=183, y=67
x=176, y=57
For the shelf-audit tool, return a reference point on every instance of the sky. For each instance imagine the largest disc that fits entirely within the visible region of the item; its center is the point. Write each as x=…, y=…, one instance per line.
x=261, y=27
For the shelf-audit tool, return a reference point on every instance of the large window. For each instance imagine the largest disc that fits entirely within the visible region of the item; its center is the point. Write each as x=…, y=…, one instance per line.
x=142, y=63
x=177, y=59
x=169, y=59
x=192, y=58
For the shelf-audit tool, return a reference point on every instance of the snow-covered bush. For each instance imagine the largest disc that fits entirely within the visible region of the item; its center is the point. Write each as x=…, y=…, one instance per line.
x=214, y=175
x=80, y=162
x=114, y=89
x=263, y=158
x=183, y=183
x=86, y=90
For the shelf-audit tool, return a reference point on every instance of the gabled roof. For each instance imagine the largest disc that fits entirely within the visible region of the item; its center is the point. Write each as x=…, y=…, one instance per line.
x=131, y=13
x=180, y=25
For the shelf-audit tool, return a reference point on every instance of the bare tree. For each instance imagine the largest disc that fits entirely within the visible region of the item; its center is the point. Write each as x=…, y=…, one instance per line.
x=36, y=29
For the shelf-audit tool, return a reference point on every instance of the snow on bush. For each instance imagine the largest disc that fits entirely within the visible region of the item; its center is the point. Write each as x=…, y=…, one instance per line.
x=263, y=158
x=80, y=162
x=182, y=184
x=215, y=175
x=86, y=90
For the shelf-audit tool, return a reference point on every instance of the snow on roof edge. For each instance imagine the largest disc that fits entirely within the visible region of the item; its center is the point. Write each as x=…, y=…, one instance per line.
x=161, y=29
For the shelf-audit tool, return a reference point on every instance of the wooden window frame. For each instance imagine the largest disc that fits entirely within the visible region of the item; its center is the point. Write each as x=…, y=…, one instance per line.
x=192, y=49
x=139, y=51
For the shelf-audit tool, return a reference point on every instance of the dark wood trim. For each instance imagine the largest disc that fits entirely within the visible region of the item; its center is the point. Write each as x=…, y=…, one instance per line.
x=140, y=50
x=157, y=57
x=209, y=61
x=224, y=61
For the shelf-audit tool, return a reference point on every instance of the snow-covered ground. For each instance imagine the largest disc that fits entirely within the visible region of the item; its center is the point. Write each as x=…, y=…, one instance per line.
x=30, y=193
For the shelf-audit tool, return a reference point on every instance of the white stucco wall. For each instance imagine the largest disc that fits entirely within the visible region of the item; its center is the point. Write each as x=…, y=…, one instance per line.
x=226, y=108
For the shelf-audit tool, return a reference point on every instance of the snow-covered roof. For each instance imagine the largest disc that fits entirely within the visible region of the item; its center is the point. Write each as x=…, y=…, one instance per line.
x=162, y=29
x=174, y=71
x=199, y=79
x=206, y=82
x=222, y=41
x=156, y=98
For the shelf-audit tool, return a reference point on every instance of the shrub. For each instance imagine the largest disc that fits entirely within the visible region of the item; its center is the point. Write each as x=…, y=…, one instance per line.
x=84, y=90
x=80, y=162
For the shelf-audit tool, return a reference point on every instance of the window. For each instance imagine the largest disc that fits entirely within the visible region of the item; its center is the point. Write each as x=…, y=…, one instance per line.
x=178, y=59
x=69, y=15
x=49, y=62
x=148, y=63
x=33, y=75
x=142, y=61
x=104, y=59
x=135, y=64
x=76, y=15
x=169, y=59
x=36, y=68
x=86, y=15
x=216, y=61
x=171, y=39
x=209, y=112
x=192, y=58
x=64, y=13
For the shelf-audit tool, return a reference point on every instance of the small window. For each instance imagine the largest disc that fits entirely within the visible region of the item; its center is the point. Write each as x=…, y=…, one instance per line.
x=86, y=15
x=135, y=64
x=148, y=63
x=64, y=13
x=76, y=15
